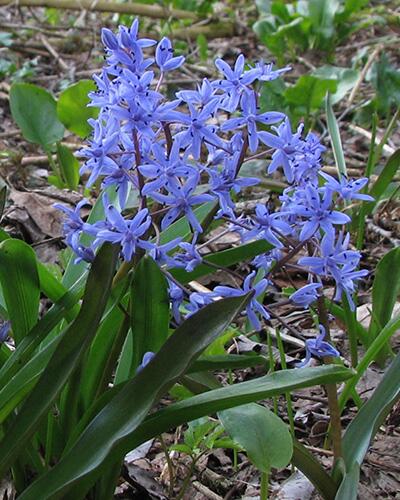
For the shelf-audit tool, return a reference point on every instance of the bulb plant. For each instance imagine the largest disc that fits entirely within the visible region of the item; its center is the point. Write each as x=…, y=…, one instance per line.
x=79, y=388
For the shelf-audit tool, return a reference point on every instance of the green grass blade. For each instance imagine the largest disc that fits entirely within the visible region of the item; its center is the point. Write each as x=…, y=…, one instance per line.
x=336, y=141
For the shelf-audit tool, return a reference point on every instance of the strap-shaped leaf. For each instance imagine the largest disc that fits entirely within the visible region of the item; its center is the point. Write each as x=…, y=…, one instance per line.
x=149, y=310
x=107, y=435
x=74, y=342
x=385, y=290
x=364, y=426
x=20, y=284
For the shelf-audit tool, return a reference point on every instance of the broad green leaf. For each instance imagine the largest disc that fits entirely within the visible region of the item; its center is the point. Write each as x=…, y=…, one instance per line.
x=107, y=435
x=307, y=95
x=334, y=135
x=263, y=435
x=224, y=258
x=322, y=16
x=149, y=310
x=73, y=110
x=34, y=110
x=385, y=290
x=70, y=349
x=346, y=78
x=364, y=426
x=69, y=166
x=20, y=284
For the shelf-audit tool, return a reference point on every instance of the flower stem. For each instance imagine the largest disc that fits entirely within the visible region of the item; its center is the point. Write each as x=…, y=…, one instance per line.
x=336, y=426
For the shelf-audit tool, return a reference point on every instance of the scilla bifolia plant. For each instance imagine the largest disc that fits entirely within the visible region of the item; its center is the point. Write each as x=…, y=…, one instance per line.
x=77, y=391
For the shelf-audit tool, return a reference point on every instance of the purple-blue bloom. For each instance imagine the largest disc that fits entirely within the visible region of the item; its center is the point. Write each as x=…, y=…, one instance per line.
x=254, y=307
x=306, y=295
x=250, y=117
x=347, y=189
x=319, y=348
x=181, y=199
x=125, y=232
x=4, y=330
x=147, y=357
x=164, y=56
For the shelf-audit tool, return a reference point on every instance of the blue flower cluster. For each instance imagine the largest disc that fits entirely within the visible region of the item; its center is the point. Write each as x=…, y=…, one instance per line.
x=174, y=155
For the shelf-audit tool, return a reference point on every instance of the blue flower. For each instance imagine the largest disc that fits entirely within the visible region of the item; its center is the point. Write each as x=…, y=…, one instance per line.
x=4, y=330
x=286, y=145
x=176, y=298
x=319, y=348
x=266, y=73
x=347, y=189
x=166, y=168
x=197, y=300
x=198, y=130
x=164, y=56
x=73, y=225
x=318, y=212
x=235, y=83
x=267, y=226
x=202, y=96
x=190, y=258
x=147, y=357
x=250, y=117
x=254, y=307
x=306, y=295
x=181, y=199
x=125, y=232
x=224, y=181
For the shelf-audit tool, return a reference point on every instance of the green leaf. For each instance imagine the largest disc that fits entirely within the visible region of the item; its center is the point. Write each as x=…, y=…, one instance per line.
x=334, y=135
x=307, y=95
x=70, y=349
x=366, y=423
x=379, y=187
x=20, y=284
x=40, y=331
x=12, y=393
x=385, y=290
x=69, y=166
x=230, y=396
x=34, y=110
x=149, y=309
x=322, y=16
x=262, y=434
x=107, y=435
x=346, y=78
x=73, y=110
x=310, y=467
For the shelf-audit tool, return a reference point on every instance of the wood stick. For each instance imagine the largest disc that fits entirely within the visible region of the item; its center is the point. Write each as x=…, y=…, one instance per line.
x=154, y=11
